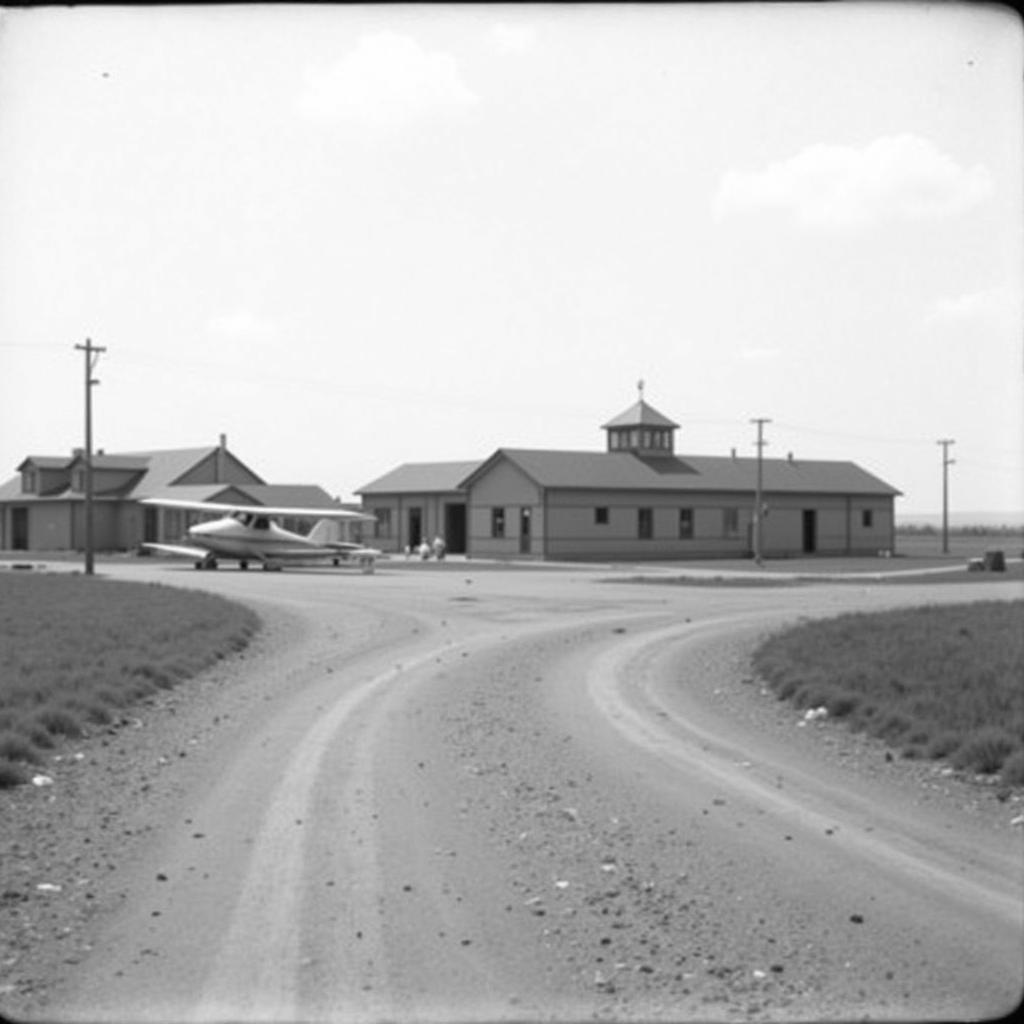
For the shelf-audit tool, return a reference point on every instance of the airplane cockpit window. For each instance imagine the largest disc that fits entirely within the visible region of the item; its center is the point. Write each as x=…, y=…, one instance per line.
x=261, y=523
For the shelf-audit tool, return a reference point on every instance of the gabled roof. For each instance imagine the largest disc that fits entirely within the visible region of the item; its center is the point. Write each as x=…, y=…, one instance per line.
x=640, y=414
x=694, y=473
x=165, y=467
x=421, y=478
x=125, y=463
x=157, y=469
x=289, y=495
x=46, y=462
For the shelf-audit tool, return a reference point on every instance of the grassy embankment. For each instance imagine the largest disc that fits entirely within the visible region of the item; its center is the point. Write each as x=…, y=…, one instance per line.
x=75, y=650
x=940, y=682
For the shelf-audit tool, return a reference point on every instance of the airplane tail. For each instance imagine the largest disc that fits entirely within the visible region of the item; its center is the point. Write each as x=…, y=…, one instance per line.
x=326, y=531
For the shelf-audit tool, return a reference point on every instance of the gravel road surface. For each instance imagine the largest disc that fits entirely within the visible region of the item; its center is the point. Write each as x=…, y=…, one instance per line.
x=453, y=792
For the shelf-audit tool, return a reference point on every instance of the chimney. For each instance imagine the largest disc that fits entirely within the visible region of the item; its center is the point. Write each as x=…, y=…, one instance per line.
x=220, y=464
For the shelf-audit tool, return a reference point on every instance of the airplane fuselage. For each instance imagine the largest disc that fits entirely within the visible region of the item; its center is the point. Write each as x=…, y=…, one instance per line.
x=252, y=535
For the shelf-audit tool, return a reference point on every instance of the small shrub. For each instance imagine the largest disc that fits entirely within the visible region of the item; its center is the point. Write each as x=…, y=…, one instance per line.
x=98, y=713
x=60, y=722
x=985, y=750
x=943, y=745
x=894, y=726
x=1012, y=773
x=841, y=704
x=787, y=687
x=11, y=774
x=40, y=736
x=15, y=747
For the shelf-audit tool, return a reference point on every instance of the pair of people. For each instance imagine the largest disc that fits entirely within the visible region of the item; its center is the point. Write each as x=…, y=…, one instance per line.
x=437, y=549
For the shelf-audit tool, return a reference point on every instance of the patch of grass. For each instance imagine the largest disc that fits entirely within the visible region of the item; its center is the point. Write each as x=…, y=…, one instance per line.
x=75, y=649
x=943, y=681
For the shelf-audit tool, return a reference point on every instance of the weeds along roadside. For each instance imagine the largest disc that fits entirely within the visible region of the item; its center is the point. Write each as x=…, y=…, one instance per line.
x=76, y=651
x=941, y=682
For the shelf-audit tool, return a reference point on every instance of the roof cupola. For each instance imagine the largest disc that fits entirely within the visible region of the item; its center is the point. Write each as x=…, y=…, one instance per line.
x=641, y=429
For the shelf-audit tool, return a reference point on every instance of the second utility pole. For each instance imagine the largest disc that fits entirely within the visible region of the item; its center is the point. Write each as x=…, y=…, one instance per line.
x=758, y=500
x=92, y=355
x=946, y=463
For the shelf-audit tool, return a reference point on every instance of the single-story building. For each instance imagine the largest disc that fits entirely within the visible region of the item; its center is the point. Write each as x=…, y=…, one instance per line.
x=43, y=508
x=635, y=500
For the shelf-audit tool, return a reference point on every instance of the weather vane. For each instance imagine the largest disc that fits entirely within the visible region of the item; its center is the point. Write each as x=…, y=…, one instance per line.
x=640, y=388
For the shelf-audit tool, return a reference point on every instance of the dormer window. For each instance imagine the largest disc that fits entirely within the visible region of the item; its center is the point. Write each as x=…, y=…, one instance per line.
x=30, y=481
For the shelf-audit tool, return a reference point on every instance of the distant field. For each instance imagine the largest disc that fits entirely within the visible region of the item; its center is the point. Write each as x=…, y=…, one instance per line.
x=940, y=682
x=76, y=649
x=961, y=545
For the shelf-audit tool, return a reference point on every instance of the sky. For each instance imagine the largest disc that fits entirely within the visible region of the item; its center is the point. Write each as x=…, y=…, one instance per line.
x=352, y=237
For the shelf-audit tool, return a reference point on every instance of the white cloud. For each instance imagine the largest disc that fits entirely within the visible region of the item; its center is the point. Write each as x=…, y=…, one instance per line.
x=512, y=38
x=754, y=354
x=999, y=309
x=386, y=80
x=894, y=178
x=240, y=325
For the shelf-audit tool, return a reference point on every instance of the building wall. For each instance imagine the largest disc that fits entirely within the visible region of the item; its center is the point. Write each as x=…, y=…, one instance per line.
x=219, y=467
x=49, y=526
x=507, y=488
x=565, y=523
x=397, y=538
x=576, y=532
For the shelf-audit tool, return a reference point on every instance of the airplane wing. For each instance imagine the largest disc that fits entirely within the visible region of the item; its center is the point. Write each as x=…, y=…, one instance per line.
x=266, y=510
x=183, y=550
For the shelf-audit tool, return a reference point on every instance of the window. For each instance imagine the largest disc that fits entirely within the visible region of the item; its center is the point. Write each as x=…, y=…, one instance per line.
x=497, y=522
x=28, y=481
x=645, y=523
x=867, y=518
x=382, y=527
x=601, y=515
x=731, y=522
x=686, y=524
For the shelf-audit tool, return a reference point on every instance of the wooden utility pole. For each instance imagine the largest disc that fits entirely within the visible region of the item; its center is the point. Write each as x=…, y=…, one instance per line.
x=946, y=463
x=92, y=355
x=758, y=497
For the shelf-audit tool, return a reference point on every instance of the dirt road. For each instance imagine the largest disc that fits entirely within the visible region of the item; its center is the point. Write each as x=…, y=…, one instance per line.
x=442, y=794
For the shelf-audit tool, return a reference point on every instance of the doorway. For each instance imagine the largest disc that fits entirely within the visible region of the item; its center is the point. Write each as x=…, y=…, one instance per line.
x=415, y=527
x=150, y=524
x=524, y=530
x=455, y=528
x=810, y=531
x=19, y=529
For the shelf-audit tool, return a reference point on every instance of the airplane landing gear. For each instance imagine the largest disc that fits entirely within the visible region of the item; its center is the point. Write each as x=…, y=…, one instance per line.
x=209, y=562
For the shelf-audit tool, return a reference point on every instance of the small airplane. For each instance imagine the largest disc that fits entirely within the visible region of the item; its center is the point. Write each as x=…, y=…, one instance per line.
x=249, y=533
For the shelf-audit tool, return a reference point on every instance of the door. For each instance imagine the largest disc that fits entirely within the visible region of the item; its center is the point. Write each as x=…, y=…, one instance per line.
x=455, y=528
x=150, y=524
x=19, y=529
x=810, y=531
x=524, y=531
x=415, y=527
